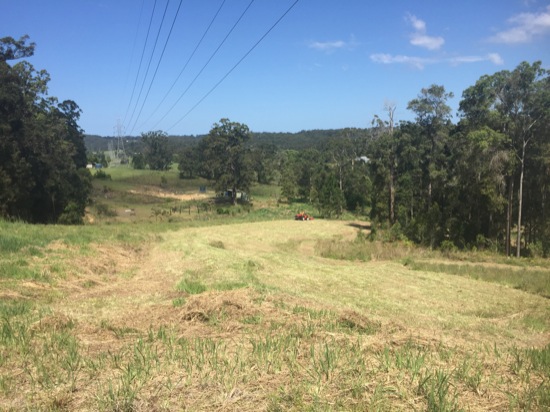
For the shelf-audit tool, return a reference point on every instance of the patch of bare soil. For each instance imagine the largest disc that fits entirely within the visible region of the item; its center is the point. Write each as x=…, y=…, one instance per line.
x=166, y=194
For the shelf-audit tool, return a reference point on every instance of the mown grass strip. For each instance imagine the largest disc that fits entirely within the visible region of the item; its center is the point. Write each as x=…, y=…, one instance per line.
x=531, y=281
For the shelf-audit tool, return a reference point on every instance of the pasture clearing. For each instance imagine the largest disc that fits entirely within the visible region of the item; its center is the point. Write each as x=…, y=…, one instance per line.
x=251, y=316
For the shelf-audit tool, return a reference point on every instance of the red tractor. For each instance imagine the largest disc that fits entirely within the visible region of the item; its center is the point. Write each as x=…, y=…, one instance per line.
x=303, y=216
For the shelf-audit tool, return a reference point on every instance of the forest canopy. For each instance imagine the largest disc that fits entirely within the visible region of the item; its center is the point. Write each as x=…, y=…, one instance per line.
x=43, y=178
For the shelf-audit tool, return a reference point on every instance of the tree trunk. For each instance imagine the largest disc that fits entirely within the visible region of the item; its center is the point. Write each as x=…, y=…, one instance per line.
x=392, y=194
x=520, y=199
x=509, y=217
x=234, y=196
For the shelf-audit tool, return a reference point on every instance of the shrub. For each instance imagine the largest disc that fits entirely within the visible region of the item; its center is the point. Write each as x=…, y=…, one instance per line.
x=222, y=211
x=447, y=246
x=72, y=215
x=100, y=174
x=104, y=210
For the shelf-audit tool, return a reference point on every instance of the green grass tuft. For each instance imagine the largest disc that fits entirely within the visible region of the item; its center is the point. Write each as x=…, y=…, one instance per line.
x=193, y=287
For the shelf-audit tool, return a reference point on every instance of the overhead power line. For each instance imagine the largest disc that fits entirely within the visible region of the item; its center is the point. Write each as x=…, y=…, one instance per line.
x=133, y=51
x=206, y=64
x=149, y=64
x=140, y=61
x=158, y=64
x=187, y=62
x=236, y=64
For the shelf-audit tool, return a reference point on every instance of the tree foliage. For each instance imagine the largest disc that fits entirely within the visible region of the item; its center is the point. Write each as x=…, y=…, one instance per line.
x=156, y=150
x=517, y=105
x=474, y=183
x=226, y=158
x=189, y=162
x=42, y=152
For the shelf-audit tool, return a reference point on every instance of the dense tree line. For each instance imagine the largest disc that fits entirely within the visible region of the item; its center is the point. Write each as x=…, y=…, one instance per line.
x=43, y=178
x=282, y=140
x=476, y=182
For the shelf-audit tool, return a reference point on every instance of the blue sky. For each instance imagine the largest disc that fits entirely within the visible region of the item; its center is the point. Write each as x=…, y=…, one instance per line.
x=325, y=65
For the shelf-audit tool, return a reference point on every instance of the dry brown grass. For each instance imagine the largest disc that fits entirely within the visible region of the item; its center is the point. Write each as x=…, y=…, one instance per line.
x=278, y=328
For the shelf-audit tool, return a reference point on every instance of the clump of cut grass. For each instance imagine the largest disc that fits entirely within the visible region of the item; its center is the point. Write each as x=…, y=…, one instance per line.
x=119, y=331
x=178, y=302
x=355, y=323
x=229, y=285
x=252, y=320
x=218, y=244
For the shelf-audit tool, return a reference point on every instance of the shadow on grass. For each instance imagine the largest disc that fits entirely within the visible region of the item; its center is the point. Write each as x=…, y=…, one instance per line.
x=362, y=226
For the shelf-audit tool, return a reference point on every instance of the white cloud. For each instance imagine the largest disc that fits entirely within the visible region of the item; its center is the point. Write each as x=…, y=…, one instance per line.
x=429, y=42
x=421, y=62
x=525, y=26
x=420, y=37
x=331, y=46
x=417, y=62
x=495, y=59
x=465, y=59
x=491, y=57
x=328, y=46
x=419, y=25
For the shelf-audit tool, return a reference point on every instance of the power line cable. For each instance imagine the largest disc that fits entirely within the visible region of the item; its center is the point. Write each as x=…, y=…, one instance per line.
x=133, y=48
x=158, y=64
x=149, y=64
x=235, y=66
x=187, y=62
x=140, y=62
x=206, y=64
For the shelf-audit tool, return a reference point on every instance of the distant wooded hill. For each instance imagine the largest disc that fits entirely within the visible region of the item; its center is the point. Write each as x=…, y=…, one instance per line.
x=282, y=140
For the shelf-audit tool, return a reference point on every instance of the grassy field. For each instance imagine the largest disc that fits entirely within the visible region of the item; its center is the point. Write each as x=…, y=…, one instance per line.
x=247, y=309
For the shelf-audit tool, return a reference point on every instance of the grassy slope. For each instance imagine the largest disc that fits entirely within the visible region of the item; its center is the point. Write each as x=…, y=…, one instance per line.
x=106, y=318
